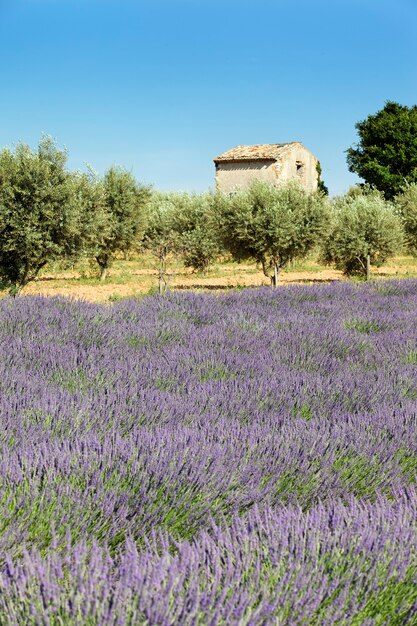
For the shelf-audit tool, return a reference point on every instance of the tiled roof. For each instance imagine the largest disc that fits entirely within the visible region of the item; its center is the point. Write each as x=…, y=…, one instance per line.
x=262, y=151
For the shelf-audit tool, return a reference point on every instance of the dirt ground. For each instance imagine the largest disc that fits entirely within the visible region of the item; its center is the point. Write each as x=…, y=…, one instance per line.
x=131, y=278
x=147, y=281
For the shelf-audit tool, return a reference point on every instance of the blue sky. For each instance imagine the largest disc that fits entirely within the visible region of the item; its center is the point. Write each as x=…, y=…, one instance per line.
x=163, y=86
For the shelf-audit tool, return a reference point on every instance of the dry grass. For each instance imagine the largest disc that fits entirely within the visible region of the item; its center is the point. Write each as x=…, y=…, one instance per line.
x=139, y=277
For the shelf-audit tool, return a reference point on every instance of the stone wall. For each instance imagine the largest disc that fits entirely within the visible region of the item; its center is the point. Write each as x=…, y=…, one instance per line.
x=236, y=175
x=299, y=164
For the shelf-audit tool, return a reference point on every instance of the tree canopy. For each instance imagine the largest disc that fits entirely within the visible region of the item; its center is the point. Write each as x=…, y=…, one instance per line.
x=161, y=237
x=273, y=225
x=365, y=231
x=194, y=220
x=386, y=155
x=125, y=206
x=39, y=217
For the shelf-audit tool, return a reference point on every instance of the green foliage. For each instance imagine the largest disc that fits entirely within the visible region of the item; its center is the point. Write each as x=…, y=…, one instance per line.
x=320, y=183
x=125, y=208
x=386, y=154
x=304, y=411
x=161, y=236
x=94, y=227
x=411, y=357
x=200, y=248
x=196, y=226
x=184, y=225
x=406, y=203
x=39, y=215
x=362, y=326
x=273, y=225
x=363, y=224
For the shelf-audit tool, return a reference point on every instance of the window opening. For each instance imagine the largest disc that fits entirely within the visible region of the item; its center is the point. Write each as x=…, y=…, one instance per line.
x=299, y=165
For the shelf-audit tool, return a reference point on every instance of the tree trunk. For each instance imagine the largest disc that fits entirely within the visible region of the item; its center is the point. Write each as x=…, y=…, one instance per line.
x=27, y=277
x=23, y=281
x=162, y=271
x=274, y=278
x=368, y=267
x=103, y=261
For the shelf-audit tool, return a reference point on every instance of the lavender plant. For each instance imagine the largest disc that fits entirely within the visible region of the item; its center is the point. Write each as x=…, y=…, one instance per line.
x=194, y=459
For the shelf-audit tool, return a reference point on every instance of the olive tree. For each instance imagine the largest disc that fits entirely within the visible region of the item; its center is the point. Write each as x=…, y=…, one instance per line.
x=195, y=222
x=93, y=219
x=161, y=236
x=125, y=204
x=273, y=225
x=365, y=231
x=39, y=215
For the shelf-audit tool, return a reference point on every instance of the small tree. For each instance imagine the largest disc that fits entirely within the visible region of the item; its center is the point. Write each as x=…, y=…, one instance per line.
x=161, y=236
x=125, y=204
x=365, y=231
x=386, y=154
x=39, y=218
x=406, y=203
x=194, y=221
x=273, y=225
x=93, y=220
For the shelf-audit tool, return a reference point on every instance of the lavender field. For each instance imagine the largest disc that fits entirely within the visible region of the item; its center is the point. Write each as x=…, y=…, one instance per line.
x=244, y=459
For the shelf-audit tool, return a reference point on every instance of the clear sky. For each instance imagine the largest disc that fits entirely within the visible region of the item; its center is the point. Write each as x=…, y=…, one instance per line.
x=161, y=87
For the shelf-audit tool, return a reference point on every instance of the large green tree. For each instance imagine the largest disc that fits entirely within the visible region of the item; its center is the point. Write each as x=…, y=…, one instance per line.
x=385, y=156
x=273, y=225
x=126, y=208
x=365, y=231
x=39, y=214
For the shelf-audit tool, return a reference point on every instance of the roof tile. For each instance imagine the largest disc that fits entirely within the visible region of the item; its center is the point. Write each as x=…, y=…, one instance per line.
x=261, y=151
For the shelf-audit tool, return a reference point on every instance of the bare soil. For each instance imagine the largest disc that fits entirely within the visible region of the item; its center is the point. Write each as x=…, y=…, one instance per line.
x=137, y=277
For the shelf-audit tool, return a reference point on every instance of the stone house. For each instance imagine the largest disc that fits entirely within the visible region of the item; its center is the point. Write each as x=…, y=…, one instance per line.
x=274, y=163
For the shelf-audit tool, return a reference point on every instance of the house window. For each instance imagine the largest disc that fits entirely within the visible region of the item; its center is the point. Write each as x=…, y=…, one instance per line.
x=299, y=168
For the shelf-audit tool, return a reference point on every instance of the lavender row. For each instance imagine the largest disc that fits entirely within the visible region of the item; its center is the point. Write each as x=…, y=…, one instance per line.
x=352, y=564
